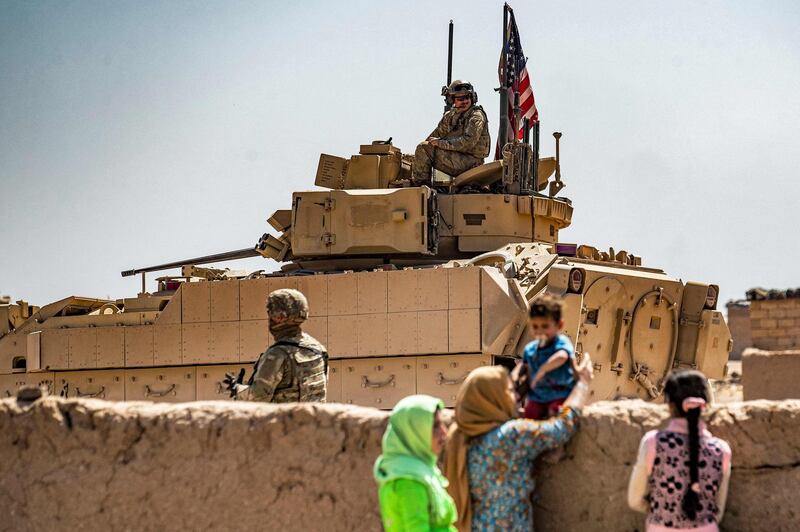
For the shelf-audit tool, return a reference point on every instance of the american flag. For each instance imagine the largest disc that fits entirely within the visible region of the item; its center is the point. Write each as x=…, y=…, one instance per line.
x=514, y=75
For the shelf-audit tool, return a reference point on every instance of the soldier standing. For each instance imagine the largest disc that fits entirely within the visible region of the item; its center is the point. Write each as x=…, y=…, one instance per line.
x=295, y=367
x=460, y=141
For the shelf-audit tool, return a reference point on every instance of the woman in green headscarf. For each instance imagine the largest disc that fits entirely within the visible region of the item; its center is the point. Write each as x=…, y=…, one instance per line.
x=412, y=491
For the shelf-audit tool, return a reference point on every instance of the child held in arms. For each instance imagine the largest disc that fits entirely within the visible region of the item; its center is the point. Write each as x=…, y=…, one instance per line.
x=550, y=360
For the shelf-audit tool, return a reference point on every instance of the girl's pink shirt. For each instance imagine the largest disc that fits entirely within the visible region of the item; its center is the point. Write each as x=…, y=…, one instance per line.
x=680, y=425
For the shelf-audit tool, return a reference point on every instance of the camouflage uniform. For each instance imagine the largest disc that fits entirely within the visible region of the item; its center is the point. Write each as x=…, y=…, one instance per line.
x=295, y=367
x=464, y=142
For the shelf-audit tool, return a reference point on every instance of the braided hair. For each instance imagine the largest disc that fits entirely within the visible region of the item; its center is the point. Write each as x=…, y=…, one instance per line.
x=682, y=385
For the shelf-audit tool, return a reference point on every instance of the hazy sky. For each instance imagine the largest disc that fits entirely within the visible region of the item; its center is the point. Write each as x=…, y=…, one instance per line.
x=134, y=133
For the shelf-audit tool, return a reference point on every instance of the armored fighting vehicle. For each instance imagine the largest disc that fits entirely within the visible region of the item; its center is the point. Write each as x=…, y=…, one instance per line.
x=409, y=287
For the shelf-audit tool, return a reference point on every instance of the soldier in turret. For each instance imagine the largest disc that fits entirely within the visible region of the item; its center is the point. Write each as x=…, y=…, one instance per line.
x=460, y=141
x=295, y=367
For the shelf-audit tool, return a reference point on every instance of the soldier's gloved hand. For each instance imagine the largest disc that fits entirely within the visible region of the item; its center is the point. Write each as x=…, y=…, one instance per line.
x=232, y=380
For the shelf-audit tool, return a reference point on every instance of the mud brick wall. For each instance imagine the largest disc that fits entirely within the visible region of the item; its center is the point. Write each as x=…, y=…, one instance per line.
x=82, y=464
x=775, y=324
x=739, y=324
x=771, y=375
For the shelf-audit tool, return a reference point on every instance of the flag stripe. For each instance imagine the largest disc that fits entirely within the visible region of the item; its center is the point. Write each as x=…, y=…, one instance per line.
x=525, y=81
x=513, y=74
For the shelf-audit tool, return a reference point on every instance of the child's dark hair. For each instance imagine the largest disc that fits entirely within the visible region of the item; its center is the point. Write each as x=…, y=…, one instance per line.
x=681, y=385
x=546, y=306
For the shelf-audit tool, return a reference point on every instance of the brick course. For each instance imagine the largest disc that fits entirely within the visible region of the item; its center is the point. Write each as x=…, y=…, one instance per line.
x=775, y=324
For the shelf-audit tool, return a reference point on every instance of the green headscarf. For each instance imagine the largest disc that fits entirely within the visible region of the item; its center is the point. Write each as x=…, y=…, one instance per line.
x=407, y=452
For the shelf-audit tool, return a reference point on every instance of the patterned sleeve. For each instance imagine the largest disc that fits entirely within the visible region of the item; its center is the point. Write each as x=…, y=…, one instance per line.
x=441, y=128
x=540, y=436
x=267, y=377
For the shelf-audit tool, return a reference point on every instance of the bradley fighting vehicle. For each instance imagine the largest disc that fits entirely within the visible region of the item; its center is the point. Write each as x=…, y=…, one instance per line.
x=409, y=287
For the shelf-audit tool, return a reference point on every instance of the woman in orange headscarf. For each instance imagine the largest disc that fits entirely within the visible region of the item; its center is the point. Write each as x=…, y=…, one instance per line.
x=489, y=455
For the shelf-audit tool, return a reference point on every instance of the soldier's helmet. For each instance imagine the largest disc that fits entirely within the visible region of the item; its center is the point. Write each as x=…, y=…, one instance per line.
x=289, y=304
x=460, y=88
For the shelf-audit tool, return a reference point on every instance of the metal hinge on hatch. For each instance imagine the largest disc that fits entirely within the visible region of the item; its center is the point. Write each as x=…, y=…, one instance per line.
x=692, y=323
x=328, y=239
x=328, y=204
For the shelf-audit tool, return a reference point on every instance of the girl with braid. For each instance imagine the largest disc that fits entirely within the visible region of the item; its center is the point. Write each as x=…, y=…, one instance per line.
x=680, y=479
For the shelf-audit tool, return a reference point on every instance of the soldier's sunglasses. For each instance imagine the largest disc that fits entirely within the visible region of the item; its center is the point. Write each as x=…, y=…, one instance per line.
x=461, y=98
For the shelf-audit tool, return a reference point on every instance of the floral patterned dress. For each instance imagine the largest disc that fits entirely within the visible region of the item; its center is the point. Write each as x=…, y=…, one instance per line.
x=499, y=467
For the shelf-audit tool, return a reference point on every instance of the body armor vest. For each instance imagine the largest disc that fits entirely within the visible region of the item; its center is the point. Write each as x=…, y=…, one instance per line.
x=309, y=370
x=454, y=124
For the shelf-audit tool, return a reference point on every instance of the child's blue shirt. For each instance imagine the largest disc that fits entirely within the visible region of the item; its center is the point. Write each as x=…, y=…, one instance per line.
x=556, y=384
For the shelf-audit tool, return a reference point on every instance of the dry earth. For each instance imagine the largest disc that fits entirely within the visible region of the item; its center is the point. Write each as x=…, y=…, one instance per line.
x=95, y=465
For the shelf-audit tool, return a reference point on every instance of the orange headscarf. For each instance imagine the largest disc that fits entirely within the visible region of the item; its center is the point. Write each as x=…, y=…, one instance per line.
x=483, y=403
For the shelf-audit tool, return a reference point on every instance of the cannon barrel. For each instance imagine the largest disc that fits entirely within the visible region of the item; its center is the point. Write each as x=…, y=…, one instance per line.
x=218, y=257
